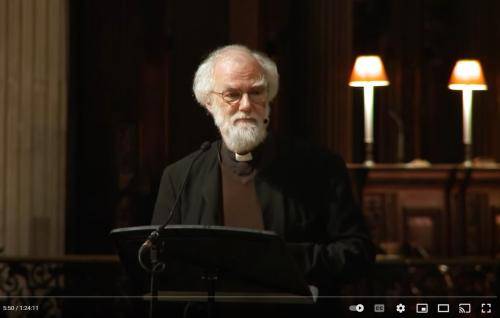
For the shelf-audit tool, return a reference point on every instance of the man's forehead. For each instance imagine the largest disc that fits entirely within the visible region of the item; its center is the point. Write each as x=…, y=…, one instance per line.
x=237, y=65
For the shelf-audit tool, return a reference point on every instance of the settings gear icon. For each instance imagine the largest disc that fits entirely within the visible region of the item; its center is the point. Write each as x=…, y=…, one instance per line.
x=400, y=308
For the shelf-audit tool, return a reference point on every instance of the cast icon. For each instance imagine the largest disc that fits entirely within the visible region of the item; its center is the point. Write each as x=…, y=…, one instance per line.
x=464, y=309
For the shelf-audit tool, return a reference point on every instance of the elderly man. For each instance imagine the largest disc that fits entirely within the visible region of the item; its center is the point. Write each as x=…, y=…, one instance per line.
x=252, y=179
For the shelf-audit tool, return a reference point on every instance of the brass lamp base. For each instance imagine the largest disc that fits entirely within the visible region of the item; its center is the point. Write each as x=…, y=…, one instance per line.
x=369, y=154
x=467, y=155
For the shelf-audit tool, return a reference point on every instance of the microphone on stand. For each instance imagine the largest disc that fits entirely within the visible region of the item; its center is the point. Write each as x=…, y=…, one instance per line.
x=151, y=240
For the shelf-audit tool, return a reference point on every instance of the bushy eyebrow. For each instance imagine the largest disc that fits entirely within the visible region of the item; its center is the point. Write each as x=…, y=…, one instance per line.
x=254, y=87
x=260, y=83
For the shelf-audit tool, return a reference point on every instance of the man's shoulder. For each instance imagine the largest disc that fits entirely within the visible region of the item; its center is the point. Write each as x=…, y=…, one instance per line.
x=206, y=158
x=303, y=168
x=307, y=152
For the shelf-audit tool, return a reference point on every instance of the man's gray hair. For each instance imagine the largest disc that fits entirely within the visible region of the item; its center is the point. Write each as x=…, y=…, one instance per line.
x=203, y=82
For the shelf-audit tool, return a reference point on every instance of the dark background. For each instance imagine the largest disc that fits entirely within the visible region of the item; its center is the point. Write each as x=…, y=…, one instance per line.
x=132, y=111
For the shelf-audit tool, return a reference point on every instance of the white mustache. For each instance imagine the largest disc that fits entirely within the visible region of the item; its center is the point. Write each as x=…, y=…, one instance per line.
x=242, y=116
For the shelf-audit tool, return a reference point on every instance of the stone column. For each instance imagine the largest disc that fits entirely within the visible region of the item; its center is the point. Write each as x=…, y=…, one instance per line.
x=33, y=107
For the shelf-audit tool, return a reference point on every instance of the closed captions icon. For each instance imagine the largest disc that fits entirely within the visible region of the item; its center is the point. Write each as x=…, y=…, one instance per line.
x=379, y=308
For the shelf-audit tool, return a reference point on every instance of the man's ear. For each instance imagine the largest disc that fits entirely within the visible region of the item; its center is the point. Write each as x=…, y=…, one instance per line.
x=208, y=104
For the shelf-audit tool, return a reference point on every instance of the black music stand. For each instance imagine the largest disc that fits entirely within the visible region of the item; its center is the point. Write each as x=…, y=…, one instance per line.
x=214, y=263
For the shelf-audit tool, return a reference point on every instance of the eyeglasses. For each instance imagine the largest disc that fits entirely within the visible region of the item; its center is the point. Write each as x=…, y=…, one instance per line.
x=232, y=97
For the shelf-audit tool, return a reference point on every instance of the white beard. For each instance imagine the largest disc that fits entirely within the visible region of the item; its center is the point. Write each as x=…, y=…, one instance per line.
x=243, y=136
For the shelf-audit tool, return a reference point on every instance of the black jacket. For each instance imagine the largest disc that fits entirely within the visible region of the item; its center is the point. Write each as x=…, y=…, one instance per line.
x=305, y=197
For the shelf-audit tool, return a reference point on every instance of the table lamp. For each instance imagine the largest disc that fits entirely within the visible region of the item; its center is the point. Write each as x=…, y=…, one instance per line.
x=467, y=76
x=368, y=72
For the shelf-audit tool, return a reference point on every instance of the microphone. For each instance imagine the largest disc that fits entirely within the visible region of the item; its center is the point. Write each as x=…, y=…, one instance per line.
x=151, y=240
x=204, y=147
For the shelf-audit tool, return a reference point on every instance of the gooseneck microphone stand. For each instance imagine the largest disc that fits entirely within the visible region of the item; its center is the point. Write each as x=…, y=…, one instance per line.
x=150, y=245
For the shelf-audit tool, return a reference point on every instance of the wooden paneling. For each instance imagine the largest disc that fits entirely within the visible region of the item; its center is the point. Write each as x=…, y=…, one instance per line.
x=321, y=59
x=482, y=201
x=495, y=230
x=244, y=26
x=425, y=230
x=443, y=210
x=404, y=204
x=380, y=209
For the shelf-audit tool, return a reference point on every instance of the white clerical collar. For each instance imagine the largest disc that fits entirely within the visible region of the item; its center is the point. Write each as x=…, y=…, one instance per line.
x=245, y=157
